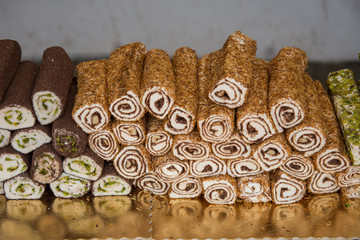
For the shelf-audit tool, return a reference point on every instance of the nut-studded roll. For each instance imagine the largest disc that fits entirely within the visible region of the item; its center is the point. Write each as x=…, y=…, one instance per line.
x=152, y=183
x=169, y=168
x=298, y=166
x=16, y=110
x=243, y=166
x=286, y=89
x=12, y=163
x=91, y=108
x=124, y=80
x=68, y=186
x=255, y=188
x=321, y=183
x=158, y=141
x=104, y=144
x=52, y=85
x=286, y=189
x=183, y=114
x=253, y=119
x=232, y=79
x=186, y=187
x=130, y=133
x=220, y=189
x=350, y=177
x=158, y=86
x=46, y=165
x=23, y=187
x=211, y=166
x=28, y=139
x=5, y=136
x=351, y=192
x=232, y=148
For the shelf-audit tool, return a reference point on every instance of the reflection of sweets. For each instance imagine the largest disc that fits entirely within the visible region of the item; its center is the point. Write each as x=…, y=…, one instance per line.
x=86, y=227
x=2, y=188
x=17, y=229
x=71, y=209
x=12, y=163
x=323, y=207
x=111, y=207
x=25, y=210
x=51, y=227
x=4, y=137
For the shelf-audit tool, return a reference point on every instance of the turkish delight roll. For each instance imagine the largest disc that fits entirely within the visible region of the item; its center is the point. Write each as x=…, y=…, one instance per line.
x=169, y=168
x=286, y=189
x=12, y=163
x=186, y=187
x=90, y=110
x=88, y=165
x=28, y=139
x=130, y=133
x=152, y=183
x=158, y=86
x=232, y=148
x=16, y=110
x=211, y=166
x=243, y=166
x=23, y=187
x=111, y=184
x=298, y=166
x=52, y=85
x=4, y=137
x=158, y=141
x=46, y=165
x=220, y=189
x=124, y=80
x=104, y=144
x=182, y=116
x=286, y=101
x=2, y=188
x=351, y=192
x=255, y=188
x=231, y=82
x=69, y=186
x=321, y=183
x=349, y=177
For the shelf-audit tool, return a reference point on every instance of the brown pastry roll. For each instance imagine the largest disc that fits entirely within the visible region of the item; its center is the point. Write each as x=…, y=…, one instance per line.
x=158, y=141
x=298, y=166
x=220, y=189
x=321, y=183
x=255, y=188
x=152, y=183
x=211, y=166
x=349, y=177
x=186, y=187
x=243, y=166
x=232, y=148
x=351, y=192
x=130, y=133
x=104, y=143
x=168, y=168
x=286, y=189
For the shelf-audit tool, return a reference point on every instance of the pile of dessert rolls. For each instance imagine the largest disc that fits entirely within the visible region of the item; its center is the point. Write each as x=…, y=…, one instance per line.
x=226, y=126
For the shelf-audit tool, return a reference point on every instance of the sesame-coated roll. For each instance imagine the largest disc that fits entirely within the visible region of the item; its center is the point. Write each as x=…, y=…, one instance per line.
x=186, y=187
x=255, y=188
x=243, y=166
x=220, y=189
x=23, y=187
x=211, y=166
x=104, y=144
x=130, y=133
x=158, y=141
x=298, y=166
x=232, y=148
x=321, y=183
x=69, y=186
x=349, y=177
x=5, y=136
x=12, y=163
x=169, y=168
x=286, y=189
x=152, y=183
x=351, y=192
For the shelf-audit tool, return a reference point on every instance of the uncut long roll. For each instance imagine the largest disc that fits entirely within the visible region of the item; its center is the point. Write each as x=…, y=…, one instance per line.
x=111, y=183
x=186, y=187
x=16, y=110
x=351, y=192
x=298, y=166
x=12, y=163
x=90, y=110
x=152, y=183
x=321, y=183
x=28, y=139
x=158, y=86
x=253, y=119
x=5, y=136
x=169, y=168
x=68, y=186
x=183, y=114
x=124, y=81
x=286, y=88
x=130, y=133
x=158, y=141
x=216, y=123
x=272, y=153
x=243, y=166
x=220, y=189
x=211, y=166
x=46, y=165
x=232, y=148
x=88, y=165
x=349, y=177
x=23, y=187
x=286, y=189
x=232, y=79
x=68, y=139
x=104, y=144
x=255, y=188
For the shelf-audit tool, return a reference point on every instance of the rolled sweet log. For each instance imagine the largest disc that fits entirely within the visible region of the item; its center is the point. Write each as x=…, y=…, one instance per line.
x=12, y=163
x=321, y=183
x=186, y=187
x=124, y=81
x=90, y=110
x=68, y=186
x=220, y=189
x=16, y=110
x=23, y=187
x=46, y=165
x=232, y=148
x=349, y=177
x=5, y=136
x=158, y=141
x=2, y=188
x=169, y=168
x=286, y=189
x=351, y=192
x=243, y=166
x=130, y=133
x=28, y=139
x=158, y=86
x=52, y=85
x=298, y=166
x=152, y=183
x=104, y=144
x=183, y=114
x=255, y=188
x=211, y=166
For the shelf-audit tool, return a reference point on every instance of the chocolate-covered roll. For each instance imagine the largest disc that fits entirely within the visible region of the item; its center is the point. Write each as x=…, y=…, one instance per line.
x=88, y=165
x=111, y=183
x=68, y=186
x=4, y=137
x=46, y=165
x=130, y=133
x=104, y=144
x=286, y=189
x=351, y=192
x=232, y=78
x=23, y=187
x=286, y=102
x=158, y=86
x=186, y=187
x=28, y=139
x=152, y=183
x=125, y=68
x=220, y=189
x=255, y=188
x=52, y=85
x=182, y=116
x=349, y=177
x=158, y=141
x=169, y=168
x=243, y=166
x=321, y=183
x=2, y=188
x=211, y=166
x=232, y=148
x=91, y=108
x=12, y=163
x=16, y=110
x=298, y=166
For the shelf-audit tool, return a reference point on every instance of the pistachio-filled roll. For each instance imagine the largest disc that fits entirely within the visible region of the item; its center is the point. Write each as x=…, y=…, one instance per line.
x=298, y=166
x=255, y=188
x=130, y=133
x=220, y=189
x=350, y=177
x=169, y=168
x=12, y=163
x=158, y=86
x=286, y=189
x=182, y=116
x=158, y=141
x=211, y=166
x=91, y=108
x=4, y=137
x=232, y=148
x=186, y=187
x=16, y=110
x=104, y=144
x=46, y=165
x=321, y=183
x=28, y=139
x=152, y=183
x=111, y=183
x=52, y=85
x=68, y=186
x=23, y=187
x=243, y=166
x=88, y=165
x=124, y=81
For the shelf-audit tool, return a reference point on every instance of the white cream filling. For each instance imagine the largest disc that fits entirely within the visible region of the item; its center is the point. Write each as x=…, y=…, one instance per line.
x=152, y=183
x=199, y=151
x=279, y=119
x=234, y=90
x=130, y=163
x=312, y=145
x=83, y=167
x=16, y=117
x=91, y=118
x=221, y=149
x=47, y=107
x=267, y=161
x=187, y=187
x=23, y=188
x=158, y=143
x=178, y=126
x=154, y=95
x=243, y=167
x=4, y=137
x=252, y=189
x=201, y=168
x=261, y=123
x=131, y=113
x=107, y=151
x=67, y=186
x=212, y=195
x=110, y=186
x=323, y=183
x=129, y=134
x=324, y=161
x=11, y=165
x=27, y=141
x=171, y=171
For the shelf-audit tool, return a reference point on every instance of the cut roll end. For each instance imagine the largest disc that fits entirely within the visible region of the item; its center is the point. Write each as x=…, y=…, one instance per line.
x=187, y=187
x=229, y=92
x=104, y=144
x=4, y=137
x=298, y=166
x=255, y=188
x=68, y=186
x=331, y=161
x=321, y=183
x=179, y=122
x=256, y=128
x=150, y=182
x=157, y=102
x=16, y=117
x=47, y=107
x=231, y=149
x=220, y=191
x=286, y=190
x=45, y=167
x=91, y=118
x=27, y=141
x=209, y=167
x=286, y=114
x=111, y=186
x=127, y=108
x=83, y=166
x=129, y=133
x=215, y=129
x=158, y=143
x=11, y=165
x=242, y=167
x=22, y=187
x=308, y=140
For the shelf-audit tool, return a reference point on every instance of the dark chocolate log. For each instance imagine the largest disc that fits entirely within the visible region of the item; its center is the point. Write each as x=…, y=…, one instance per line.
x=68, y=139
x=158, y=141
x=9, y=61
x=286, y=189
x=152, y=183
x=12, y=163
x=169, y=168
x=130, y=133
x=23, y=187
x=186, y=187
x=255, y=188
x=211, y=166
x=69, y=186
x=52, y=85
x=220, y=189
x=46, y=165
x=5, y=136
x=321, y=183
x=298, y=166
x=16, y=110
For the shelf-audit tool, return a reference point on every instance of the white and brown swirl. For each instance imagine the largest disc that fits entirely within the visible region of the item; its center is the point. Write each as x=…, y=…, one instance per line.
x=220, y=190
x=186, y=187
x=211, y=166
x=351, y=192
x=332, y=161
x=232, y=148
x=321, y=183
x=158, y=143
x=129, y=133
x=255, y=188
x=244, y=166
x=152, y=183
x=91, y=118
x=127, y=107
x=157, y=101
x=286, y=189
x=298, y=166
x=215, y=128
x=187, y=148
x=104, y=144
x=255, y=128
x=308, y=140
x=286, y=114
x=350, y=177
x=169, y=169
x=179, y=121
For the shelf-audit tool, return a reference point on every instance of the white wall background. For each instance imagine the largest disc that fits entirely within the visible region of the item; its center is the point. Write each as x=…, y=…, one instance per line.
x=328, y=30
